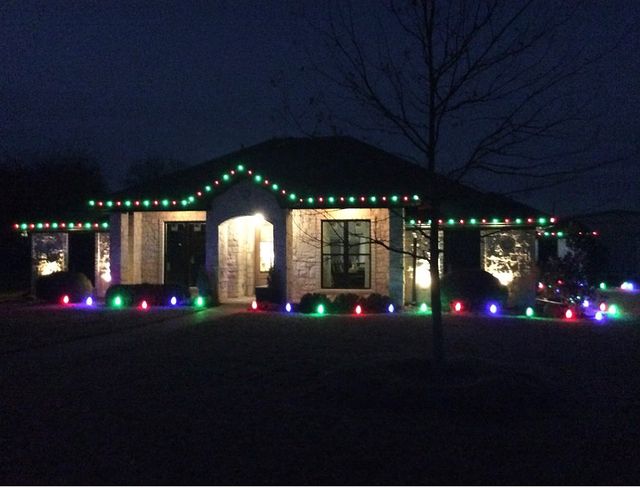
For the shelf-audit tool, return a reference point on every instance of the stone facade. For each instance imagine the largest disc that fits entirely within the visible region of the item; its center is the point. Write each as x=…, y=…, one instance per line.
x=137, y=244
x=304, y=251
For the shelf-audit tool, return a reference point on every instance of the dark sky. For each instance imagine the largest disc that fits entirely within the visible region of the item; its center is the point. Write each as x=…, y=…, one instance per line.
x=126, y=80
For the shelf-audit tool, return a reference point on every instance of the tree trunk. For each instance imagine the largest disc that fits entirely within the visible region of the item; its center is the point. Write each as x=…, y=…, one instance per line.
x=436, y=306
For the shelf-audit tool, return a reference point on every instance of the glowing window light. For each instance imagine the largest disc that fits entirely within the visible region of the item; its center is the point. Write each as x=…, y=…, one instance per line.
x=391, y=308
x=613, y=309
x=320, y=309
x=568, y=314
x=493, y=309
x=504, y=277
x=254, y=305
x=627, y=286
x=457, y=306
x=89, y=301
x=603, y=307
x=423, y=274
x=144, y=305
x=599, y=316
x=529, y=312
x=117, y=301
x=200, y=302
x=65, y=299
x=358, y=310
x=173, y=301
x=288, y=307
x=602, y=285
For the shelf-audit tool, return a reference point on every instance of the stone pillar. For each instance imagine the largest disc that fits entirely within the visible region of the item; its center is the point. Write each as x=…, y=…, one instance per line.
x=211, y=254
x=103, y=277
x=119, y=253
x=396, y=242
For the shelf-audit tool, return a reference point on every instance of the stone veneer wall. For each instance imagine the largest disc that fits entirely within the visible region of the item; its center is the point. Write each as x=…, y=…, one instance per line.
x=509, y=255
x=304, y=250
x=137, y=244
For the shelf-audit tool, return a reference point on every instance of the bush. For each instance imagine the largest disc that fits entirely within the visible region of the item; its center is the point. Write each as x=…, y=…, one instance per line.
x=376, y=303
x=158, y=295
x=474, y=287
x=310, y=301
x=52, y=287
x=346, y=302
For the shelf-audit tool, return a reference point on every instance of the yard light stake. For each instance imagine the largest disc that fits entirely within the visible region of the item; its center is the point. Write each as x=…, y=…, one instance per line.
x=391, y=308
x=358, y=310
x=613, y=310
x=493, y=308
x=287, y=307
x=200, y=302
x=603, y=307
x=457, y=306
x=529, y=312
x=568, y=314
x=65, y=299
x=254, y=305
x=599, y=316
x=144, y=305
x=603, y=285
x=89, y=301
x=423, y=307
x=320, y=309
x=173, y=301
x=117, y=301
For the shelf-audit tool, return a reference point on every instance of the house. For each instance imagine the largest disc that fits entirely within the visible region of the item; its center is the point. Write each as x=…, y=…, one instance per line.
x=330, y=215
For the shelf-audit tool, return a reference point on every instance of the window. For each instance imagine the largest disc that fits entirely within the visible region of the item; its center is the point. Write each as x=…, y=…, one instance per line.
x=346, y=254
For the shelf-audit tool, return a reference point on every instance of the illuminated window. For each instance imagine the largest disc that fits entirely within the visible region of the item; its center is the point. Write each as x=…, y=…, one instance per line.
x=346, y=254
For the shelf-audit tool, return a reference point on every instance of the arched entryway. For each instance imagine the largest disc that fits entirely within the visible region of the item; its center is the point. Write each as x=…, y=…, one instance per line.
x=245, y=255
x=233, y=218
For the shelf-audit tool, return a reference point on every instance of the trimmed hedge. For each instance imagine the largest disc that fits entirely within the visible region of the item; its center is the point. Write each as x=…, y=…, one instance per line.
x=53, y=287
x=345, y=303
x=156, y=295
x=474, y=287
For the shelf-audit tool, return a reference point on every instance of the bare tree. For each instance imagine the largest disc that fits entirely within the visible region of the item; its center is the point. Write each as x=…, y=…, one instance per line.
x=473, y=86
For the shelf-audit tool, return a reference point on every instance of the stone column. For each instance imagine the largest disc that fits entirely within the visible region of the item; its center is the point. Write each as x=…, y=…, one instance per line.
x=396, y=241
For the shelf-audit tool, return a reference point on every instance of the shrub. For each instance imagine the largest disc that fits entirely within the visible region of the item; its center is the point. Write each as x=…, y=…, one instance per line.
x=310, y=301
x=52, y=287
x=158, y=295
x=376, y=303
x=346, y=302
x=474, y=287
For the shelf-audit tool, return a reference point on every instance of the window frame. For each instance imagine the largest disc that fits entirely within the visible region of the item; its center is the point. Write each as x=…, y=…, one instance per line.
x=345, y=254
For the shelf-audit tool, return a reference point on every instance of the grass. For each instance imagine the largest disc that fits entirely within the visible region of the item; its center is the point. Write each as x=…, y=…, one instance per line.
x=262, y=398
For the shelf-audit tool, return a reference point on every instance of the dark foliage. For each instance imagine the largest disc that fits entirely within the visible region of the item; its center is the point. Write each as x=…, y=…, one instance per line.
x=376, y=303
x=54, y=286
x=346, y=303
x=157, y=295
x=474, y=287
x=310, y=301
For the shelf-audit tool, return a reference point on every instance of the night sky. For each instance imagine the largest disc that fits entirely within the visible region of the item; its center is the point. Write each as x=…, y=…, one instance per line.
x=185, y=80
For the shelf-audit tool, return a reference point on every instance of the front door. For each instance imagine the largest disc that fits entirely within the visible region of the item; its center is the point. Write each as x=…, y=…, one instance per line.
x=184, y=252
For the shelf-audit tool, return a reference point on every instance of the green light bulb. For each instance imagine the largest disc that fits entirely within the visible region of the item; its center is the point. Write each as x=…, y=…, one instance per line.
x=603, y=286
x=165, y=203
x=240, y=167
x=225, y=177
x=146, y=203
x=424, y=307
x=352, y=199
x=394, y=198
x=127, y=203
x=310, y=200
x=473, y=221
x=117, y=301
x=275, y=186
x=331, y=199
x=416, y=197
x=54, y=225
x=109, y=203
x=292, y=196
x=257, y=178
x=200, y=302
x=320, y=309
x=542, y=220
x=373, y=199
x=529, y=312
x=92, y=203
x=207, y=188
